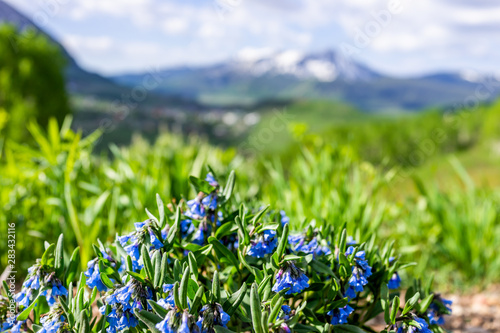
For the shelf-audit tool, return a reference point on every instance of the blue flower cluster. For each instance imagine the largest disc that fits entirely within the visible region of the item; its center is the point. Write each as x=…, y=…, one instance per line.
x=339, y=316
x=394, y=281
x=47, y=283
x=211, y=315
x=292, y=278
x=285, y=312
x=360, y=272
x=144, y=234
x=263, y=243
x=123, y=302
x=438, y=308
x=51, y=324
x=8, y=323
x=419, y=326
x=177, y=321
x=301, y=243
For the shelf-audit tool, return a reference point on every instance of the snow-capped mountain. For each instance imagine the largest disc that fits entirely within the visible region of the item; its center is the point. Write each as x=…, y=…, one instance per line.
x=324, y=67
x=252, y=77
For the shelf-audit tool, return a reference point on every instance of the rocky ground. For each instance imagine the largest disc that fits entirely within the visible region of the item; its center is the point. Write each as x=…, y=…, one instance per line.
x=479, y=313
x=472, y=313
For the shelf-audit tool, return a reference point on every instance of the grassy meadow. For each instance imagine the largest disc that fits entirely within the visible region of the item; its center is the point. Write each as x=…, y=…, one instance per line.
x=426, y=180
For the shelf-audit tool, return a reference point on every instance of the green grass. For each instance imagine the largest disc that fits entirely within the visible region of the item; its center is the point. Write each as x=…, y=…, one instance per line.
x=440, y=215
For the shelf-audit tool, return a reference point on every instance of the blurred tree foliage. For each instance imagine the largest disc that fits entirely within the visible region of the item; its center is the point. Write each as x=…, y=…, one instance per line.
x=32, y=84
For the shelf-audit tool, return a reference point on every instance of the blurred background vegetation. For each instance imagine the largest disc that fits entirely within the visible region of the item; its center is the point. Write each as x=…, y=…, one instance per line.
x=427, y=179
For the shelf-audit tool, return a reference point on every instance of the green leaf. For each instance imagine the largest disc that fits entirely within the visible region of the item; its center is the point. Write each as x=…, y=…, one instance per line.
x=281, y=246
x=26, y=312
x=59, y=256
x=48, y=257
x=197, y=301
x=174, y=227
x=157, y=269
x=216, y=287
x=259, y=215
x=410, y=304
x=148, y=266
x=184, y=289
x=228, y=190
x=322, y=268
x=201, y=185
x=424, y=305
x=343, y=241
x=149, y=319
x=394, y=309
x=175, y=291
x=160, y=310
x=244, y=232
x=234, y=301
x=84, y=322
x=220, y=329
x=106, y=281
x=136, y=276
x=161, y=210
x=344, y=328
x=255, y=309
x=223, y=252
x=275, y=310
x=164, y=269
x=74, y=264
x=193, y=266
x=225, y=229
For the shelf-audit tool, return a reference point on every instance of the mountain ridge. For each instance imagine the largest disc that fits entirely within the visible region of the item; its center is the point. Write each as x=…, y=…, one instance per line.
x=322, y=75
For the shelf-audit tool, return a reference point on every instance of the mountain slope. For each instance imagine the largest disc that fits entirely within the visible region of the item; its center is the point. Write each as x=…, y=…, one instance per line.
x=81, y=82
x=323, y=75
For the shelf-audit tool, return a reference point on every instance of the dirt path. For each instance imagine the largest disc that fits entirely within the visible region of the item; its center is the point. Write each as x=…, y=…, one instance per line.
x=479, y=313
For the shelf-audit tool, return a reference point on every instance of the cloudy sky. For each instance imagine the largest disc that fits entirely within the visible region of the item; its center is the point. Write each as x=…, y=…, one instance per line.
x=398, y=37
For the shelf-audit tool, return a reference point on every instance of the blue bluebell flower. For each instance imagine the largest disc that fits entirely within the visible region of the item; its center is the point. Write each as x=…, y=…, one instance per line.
x=145, y=233
x=169, y=300
x=360, y=270
x=94, y=276
x=339, y=315
x=285, y=313
x=301, y=243
x=231, y=242
x=10, y=324
x=23, y=298
x=187, y=228
x=263, y=244
x=394, y=282
x=420, y=326
x=350, y=293
x=438, y=308
x=284, y=218
x=196, y=209
x=184, y=327
x=292, y=278
x=211, y=315
x=350, y=241
x=284, y=328
x=202, y=233
x=155, y=242
x=178, y=322
x=124, y=301
x=211, y=180
x=210, y=201
x=50, y=324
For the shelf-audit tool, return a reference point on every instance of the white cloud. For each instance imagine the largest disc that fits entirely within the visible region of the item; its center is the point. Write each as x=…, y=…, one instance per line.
x=78, y=44
x=425, y=33
x=175, y=26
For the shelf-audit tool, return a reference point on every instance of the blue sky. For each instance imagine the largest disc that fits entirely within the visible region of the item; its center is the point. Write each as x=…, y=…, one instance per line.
x=398, y=37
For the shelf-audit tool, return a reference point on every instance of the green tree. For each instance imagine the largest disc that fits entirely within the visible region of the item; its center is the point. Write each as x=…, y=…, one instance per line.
x=32, y=84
